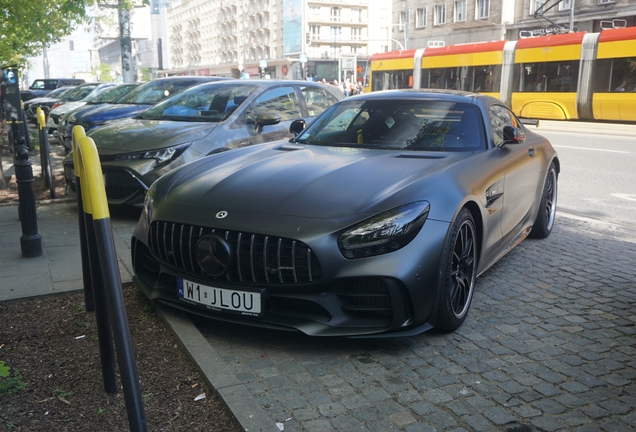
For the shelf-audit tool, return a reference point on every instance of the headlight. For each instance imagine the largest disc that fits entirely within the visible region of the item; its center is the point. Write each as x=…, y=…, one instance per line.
x=161, y=155
x=148, y=203
x=384, y=233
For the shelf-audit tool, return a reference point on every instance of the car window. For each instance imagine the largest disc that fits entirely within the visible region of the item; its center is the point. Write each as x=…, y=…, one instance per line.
x=500, y=116
x=110, y=94
x=80, y=92
x=419, y=125
x=202, y=103
x=44, y=85
x=317, y=99
x=152, y=92
x=283, y=100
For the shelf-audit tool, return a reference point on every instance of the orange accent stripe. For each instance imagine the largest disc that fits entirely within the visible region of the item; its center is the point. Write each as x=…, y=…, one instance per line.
x=551, y=41
x=468, y=48
x=612, y=35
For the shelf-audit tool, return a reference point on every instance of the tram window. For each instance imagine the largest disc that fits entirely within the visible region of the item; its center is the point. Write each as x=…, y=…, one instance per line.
x=390, y=80
x=614, y=75
x=467, y=78
x=547, y=76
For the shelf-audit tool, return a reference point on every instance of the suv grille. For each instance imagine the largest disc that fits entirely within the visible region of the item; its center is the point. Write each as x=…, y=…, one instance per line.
x=257, y=258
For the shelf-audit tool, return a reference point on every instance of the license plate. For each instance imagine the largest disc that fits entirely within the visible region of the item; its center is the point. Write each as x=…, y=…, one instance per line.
x=220, y=299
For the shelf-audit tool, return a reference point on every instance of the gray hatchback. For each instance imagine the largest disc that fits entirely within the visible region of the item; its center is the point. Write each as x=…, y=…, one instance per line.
x=196, y=122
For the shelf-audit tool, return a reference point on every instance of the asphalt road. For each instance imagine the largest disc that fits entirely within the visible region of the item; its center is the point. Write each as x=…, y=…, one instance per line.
x=598, y=175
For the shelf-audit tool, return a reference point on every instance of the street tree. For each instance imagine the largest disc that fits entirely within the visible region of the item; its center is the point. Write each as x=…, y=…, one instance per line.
x=26, y=27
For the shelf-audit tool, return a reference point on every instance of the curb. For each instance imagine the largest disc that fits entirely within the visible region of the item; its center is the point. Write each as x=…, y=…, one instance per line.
x=248, y=414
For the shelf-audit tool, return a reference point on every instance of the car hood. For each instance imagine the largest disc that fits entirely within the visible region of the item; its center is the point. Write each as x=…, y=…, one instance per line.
x=292, y=180
x=133, y=135
x=69, y=106
x=111, y=112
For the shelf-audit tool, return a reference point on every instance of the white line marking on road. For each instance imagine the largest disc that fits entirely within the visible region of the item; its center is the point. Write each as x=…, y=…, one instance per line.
x=593, y=149
x=624, y=196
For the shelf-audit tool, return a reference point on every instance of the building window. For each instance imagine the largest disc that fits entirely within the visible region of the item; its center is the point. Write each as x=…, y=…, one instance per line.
x=421, y=18
x=402, y=20
x=605, y=1
x=336, y=32
x=356, y=33
x=314, y=10
x=565, y=5
x=440, y=14
x=315, y=32
x=482, y=9
x=536, y=5
x=335, y=14
x=460, y=11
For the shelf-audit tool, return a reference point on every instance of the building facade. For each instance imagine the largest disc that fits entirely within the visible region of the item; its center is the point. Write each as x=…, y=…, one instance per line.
x=276, y=38
x=430, y=23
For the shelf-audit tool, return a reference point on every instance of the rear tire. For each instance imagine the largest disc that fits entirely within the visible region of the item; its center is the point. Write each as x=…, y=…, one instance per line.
x=547, y=208
x=458, y=273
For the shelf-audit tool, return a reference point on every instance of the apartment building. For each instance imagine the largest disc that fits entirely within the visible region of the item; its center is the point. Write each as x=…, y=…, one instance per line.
x=429, y=23
x=276, y=38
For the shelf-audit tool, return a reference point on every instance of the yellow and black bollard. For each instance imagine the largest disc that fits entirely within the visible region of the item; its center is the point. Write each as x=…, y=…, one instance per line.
x=110, y=311
x=45, y=157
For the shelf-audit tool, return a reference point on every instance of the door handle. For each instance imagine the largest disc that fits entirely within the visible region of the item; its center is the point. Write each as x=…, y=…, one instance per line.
x=532, y=152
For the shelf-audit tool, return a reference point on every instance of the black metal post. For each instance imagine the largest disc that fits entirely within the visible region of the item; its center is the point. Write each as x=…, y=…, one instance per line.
x=30, y=242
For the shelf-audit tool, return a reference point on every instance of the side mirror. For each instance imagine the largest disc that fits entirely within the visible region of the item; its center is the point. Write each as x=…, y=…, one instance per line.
x=267, y=118
x=297, y=126
x=512, y=135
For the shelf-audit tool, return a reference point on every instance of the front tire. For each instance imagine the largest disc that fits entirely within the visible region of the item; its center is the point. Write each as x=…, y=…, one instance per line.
x=547, y=208
x=458, y=273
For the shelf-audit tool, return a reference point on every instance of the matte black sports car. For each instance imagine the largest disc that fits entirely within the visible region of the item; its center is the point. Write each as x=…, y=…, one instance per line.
x=376, y=218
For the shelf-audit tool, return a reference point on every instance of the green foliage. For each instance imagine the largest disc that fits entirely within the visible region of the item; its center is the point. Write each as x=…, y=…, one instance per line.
x=102, y=72
x=4, y=370
x=11, y=384
x=63, y=393
x=27, y=27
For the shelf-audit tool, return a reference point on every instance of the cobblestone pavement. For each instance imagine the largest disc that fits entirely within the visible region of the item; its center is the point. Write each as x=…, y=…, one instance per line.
x=549, y=345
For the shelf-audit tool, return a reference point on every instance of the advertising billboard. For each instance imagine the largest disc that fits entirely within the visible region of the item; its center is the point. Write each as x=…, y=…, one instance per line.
x=292, y=27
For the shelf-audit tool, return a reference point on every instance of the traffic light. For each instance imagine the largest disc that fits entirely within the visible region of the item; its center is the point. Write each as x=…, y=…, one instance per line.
x=308, y=38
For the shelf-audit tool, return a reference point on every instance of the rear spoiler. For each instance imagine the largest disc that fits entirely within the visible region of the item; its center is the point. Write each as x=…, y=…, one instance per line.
x=529, y=122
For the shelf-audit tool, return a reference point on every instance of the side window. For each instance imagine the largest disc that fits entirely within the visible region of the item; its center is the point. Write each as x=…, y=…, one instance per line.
x=317, y=99
x=283, y=100
x=501, y=116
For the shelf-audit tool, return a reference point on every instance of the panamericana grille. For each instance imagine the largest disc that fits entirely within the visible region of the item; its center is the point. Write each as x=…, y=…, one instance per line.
x=257, y=258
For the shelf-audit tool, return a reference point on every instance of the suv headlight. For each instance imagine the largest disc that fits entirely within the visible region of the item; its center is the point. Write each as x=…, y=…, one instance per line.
x=162, y=156
x=385, y=232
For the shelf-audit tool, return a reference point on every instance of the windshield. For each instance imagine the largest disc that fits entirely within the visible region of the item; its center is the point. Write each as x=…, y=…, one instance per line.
x=214, y=102
x=58, y=91
x=78, y=93
x=153, y=91
x=109, y=94
x=406, y=124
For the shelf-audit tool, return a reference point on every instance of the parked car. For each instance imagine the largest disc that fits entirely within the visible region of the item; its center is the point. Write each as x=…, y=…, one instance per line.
x=54, y=94
x=201, y=120
x=59, y=109
x=77, y=93
x=377, y=218
x=59, y=115
x=138, y=100
x=40, y=87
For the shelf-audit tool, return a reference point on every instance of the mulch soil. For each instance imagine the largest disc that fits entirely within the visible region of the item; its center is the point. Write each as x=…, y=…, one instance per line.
x=51, y=374
x=55, y=380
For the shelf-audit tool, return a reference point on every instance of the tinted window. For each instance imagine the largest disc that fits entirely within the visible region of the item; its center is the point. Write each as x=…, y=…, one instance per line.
x=317, y=99
x=152, y=92
x=546, y=76
x=500, y=117
x=283, y=100
x=420, y=125
x=469, y=78
x=110, y=94
x=615, y=75
x=202, y=103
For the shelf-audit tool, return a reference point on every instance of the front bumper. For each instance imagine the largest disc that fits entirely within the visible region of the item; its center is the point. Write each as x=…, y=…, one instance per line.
x=392, y=294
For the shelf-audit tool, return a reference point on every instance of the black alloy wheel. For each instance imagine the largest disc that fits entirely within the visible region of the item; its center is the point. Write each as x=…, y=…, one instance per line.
x=547, y=208
x=458, y=273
